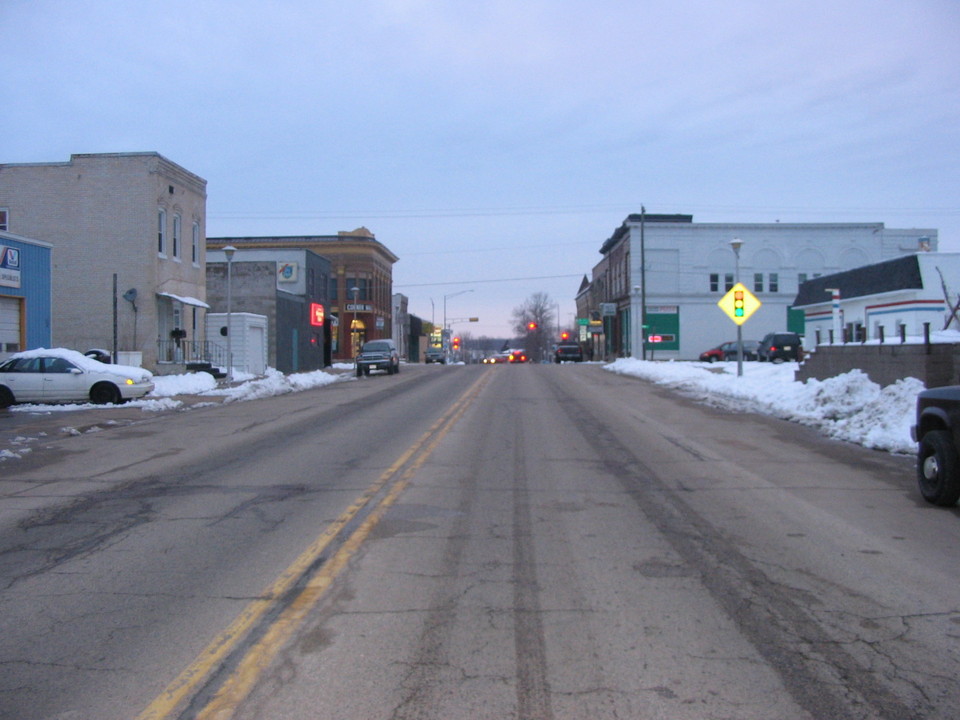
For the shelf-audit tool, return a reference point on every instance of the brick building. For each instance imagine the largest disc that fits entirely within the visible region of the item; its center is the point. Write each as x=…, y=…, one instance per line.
x=358, y=262
x=121, y=225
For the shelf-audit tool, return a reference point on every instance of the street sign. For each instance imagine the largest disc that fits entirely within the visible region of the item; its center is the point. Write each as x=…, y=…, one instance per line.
x=739, y=304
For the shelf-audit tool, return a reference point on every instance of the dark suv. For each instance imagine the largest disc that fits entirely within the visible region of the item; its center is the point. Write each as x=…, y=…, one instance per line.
x=378, y=355
x=568, y=351
x=937, y=433
x=777, y=347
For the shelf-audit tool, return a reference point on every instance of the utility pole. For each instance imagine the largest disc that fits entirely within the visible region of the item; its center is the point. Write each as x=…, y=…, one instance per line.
x=643, y=285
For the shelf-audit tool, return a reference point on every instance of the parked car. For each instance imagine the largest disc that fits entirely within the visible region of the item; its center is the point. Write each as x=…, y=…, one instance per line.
x=378, y=355
x=781, y=346
x=728, y=351
x=435, y=355
x=713, y=354
x=750, y=348
x=517, y=356
x=937, y=432
x=568, y=351
x=66, y=376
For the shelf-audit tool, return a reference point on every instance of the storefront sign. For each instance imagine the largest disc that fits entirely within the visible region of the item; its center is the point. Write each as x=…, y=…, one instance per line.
x=9, y=267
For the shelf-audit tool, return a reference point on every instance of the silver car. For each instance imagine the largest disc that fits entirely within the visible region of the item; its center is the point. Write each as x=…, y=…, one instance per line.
x=66, y=376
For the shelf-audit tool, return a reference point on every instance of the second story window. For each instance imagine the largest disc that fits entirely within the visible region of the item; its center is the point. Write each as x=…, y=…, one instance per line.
x=195, y=247
x=758, y=282
x=774, y=284
x=728, y=282
x=714, y=282
x=4, y=224
x=162, y=232
x=177, y=225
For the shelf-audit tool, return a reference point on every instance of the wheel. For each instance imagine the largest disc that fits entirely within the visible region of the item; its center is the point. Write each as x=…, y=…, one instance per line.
x=6, y=397
x=938, y=468
x=366, y=370
x=396, y=369
x=104, y=393
x=359, y=371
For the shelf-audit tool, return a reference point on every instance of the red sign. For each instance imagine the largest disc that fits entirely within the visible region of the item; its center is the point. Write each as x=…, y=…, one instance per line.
x=316, y=314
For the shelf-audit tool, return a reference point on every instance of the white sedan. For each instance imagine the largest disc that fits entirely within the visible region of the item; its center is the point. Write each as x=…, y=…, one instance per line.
x=66, y=376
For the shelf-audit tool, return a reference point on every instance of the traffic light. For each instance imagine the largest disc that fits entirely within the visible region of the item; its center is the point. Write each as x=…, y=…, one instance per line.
x=738, y=303
x=456, y=343
x=531, y=326
x=564, y=335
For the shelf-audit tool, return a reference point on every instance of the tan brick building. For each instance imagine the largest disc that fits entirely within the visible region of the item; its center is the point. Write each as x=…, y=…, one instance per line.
x=136, y=217
x=358, y=261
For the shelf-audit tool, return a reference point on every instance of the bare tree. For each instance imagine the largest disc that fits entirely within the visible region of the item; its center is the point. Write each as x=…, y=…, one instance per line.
x=532, y=322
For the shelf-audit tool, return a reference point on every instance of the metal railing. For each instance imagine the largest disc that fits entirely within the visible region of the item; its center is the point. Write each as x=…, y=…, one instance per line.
x=182, y=352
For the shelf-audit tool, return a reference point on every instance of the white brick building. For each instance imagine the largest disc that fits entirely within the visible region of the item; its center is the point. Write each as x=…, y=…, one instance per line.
x=136, y=216
x=690, y=266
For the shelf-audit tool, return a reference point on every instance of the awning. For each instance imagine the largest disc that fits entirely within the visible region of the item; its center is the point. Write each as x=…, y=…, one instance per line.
x=185, y=300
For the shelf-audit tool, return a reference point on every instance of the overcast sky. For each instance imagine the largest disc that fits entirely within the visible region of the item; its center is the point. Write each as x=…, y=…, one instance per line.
x=493, y=146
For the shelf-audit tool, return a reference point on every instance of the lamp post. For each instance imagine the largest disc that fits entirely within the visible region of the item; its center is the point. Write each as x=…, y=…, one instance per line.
x=229, y=250
x=445, y=304
x=355, y=291
x=736, y=243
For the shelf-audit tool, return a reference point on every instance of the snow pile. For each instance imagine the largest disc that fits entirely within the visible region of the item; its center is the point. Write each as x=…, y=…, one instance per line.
x=848, y=407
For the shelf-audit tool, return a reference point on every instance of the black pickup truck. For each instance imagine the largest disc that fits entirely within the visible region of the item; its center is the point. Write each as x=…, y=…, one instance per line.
x=938, y=433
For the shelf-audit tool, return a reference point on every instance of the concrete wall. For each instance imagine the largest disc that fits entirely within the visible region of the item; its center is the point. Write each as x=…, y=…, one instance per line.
x=935, y=365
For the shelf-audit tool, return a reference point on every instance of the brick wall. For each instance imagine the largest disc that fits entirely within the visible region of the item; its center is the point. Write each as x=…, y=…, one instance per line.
x=935, y=365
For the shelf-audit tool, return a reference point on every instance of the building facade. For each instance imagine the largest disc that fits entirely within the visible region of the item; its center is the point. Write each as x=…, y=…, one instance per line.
x=678, y=270
x=25, y=293
x=128, y=237
x=360, y=287
x=287, y=285
x=884, y=301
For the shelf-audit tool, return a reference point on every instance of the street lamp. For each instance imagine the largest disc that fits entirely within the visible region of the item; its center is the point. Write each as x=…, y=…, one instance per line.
x=736, y=243
x=229, y=250
x=355, y=291
x=445, y=304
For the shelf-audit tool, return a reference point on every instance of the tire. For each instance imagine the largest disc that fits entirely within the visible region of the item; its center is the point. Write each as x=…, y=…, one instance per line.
x=938, y=468
x=104, y=393
x=6, y=397
x=396, y=369
x=359, y=371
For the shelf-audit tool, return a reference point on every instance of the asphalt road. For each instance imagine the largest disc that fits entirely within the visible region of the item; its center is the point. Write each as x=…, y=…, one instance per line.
x=527, y=542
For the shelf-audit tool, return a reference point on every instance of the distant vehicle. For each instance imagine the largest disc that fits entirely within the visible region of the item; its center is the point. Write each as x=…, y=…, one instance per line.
x=937, y=433
x=517, y=356
x=66, y=376
x=435, y=355
x=568, y=352
x=728, y=351
x=778, y=347
x=500, y=358
x=378, y=355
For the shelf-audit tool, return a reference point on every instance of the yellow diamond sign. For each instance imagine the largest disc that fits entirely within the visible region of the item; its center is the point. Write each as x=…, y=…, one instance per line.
x=739, y=304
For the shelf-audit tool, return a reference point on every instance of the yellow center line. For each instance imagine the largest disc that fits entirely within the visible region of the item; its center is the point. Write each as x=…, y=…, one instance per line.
x=257, y=658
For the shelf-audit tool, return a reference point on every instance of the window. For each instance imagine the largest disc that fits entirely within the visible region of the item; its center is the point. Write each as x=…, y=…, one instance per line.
x=714, y=282
x=801, y=278
x=728, y=282
x=4, y=225
x=195, y=249
x=162, y=232
x=177, y=224
x=362, y=284
x=774, y=283
x=758, y=282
